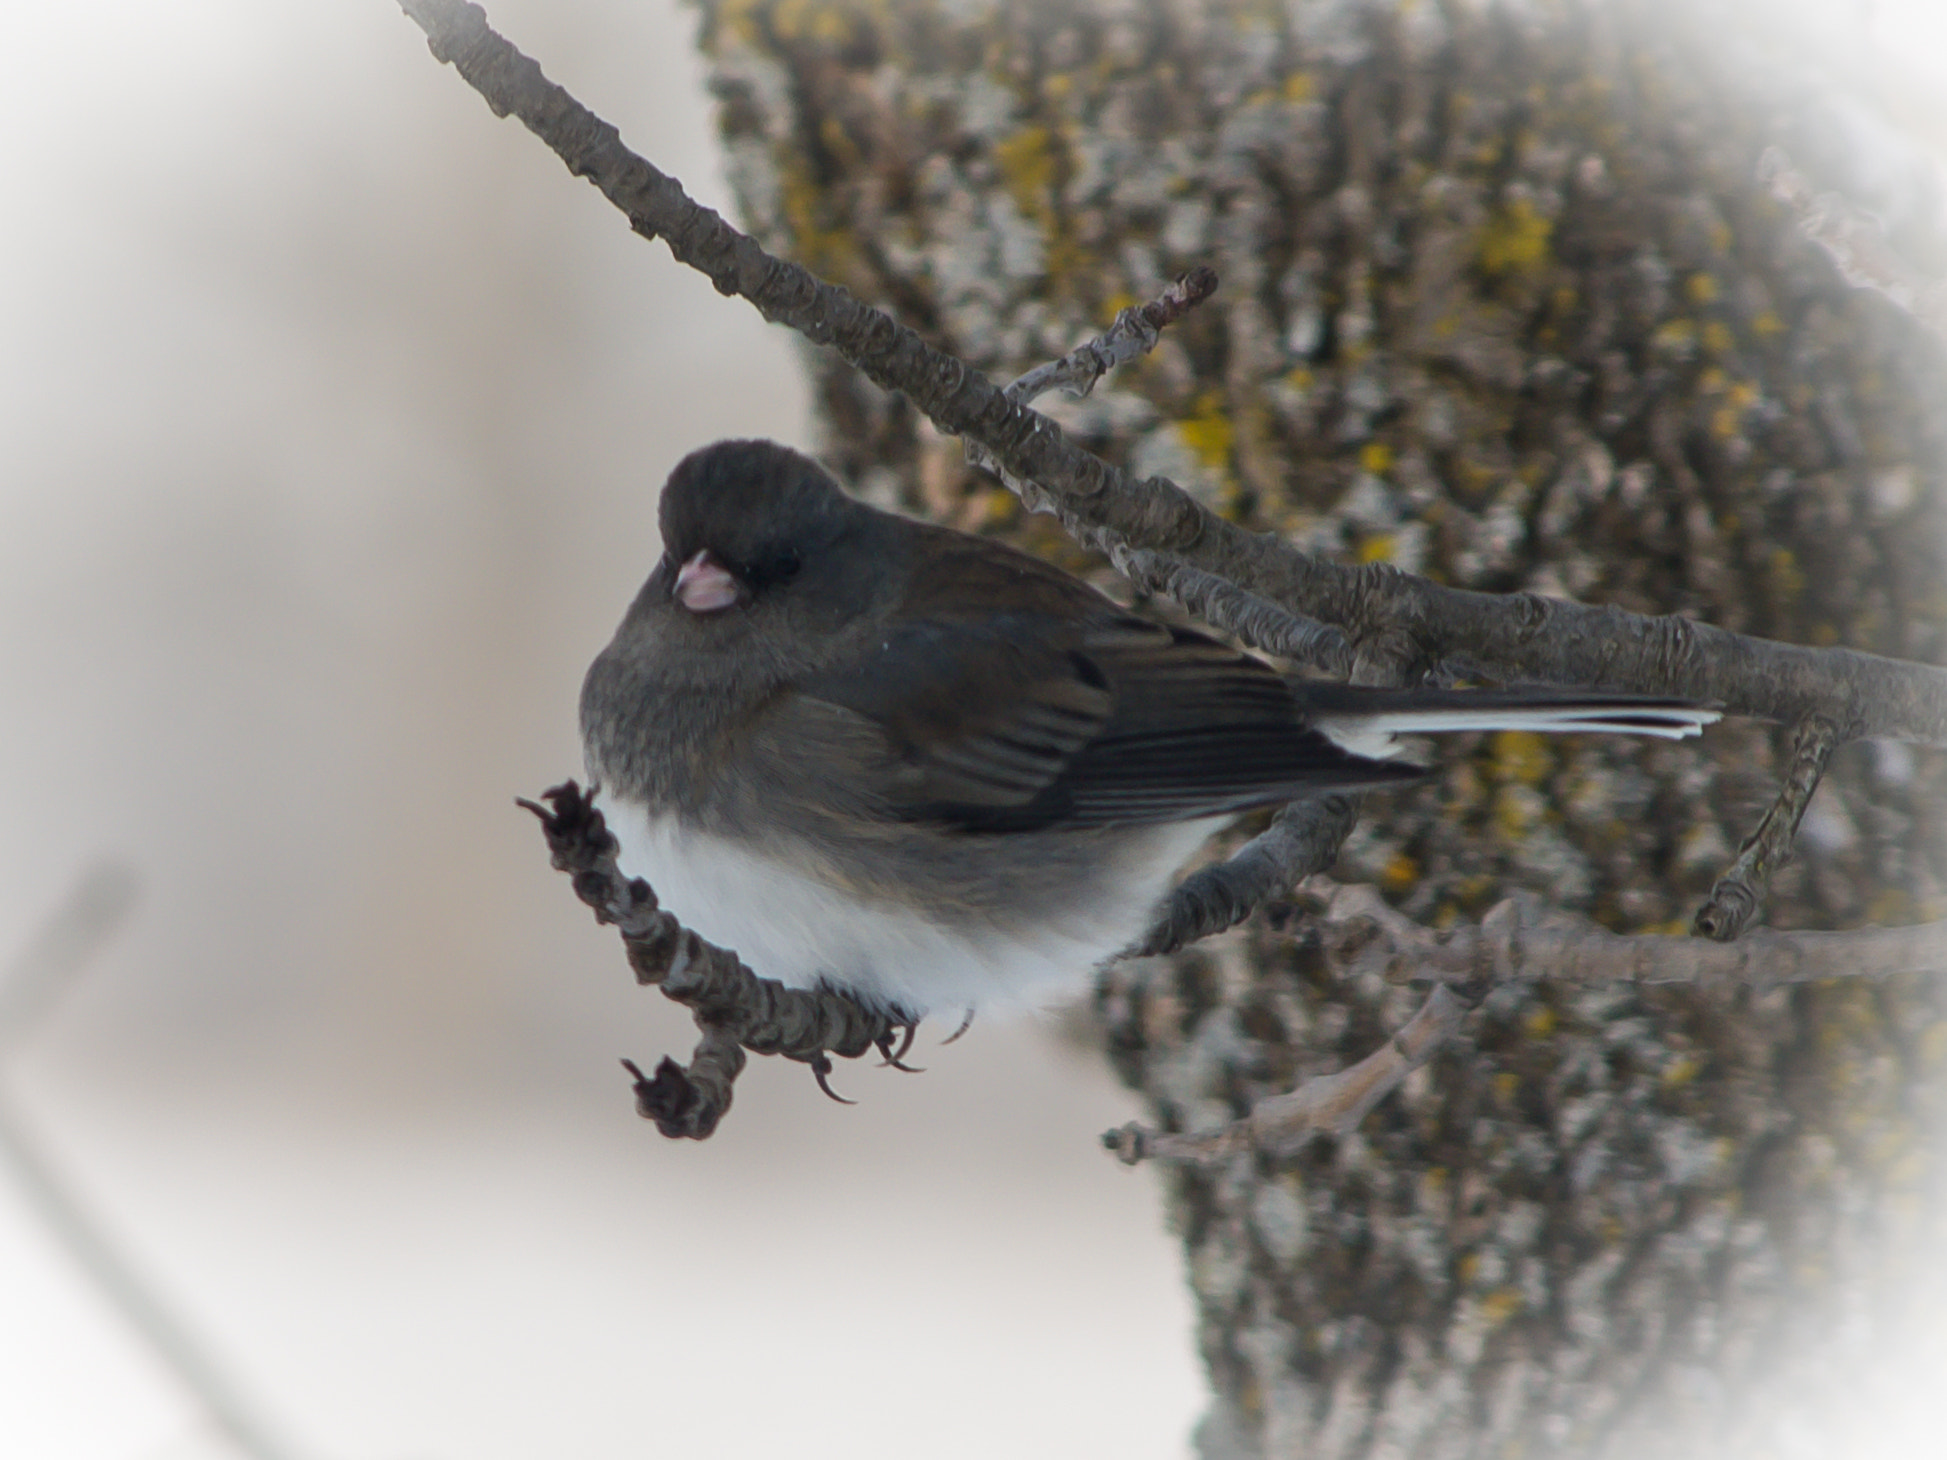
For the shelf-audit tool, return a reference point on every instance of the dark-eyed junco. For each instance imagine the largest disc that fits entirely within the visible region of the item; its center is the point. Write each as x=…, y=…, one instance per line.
x=938, y=773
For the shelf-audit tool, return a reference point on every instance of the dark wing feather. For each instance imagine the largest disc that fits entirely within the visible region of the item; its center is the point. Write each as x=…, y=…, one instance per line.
x=1060, y=709
x=1199, y=729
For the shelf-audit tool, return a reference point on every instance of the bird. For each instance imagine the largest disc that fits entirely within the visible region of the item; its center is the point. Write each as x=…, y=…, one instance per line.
x=935, y=773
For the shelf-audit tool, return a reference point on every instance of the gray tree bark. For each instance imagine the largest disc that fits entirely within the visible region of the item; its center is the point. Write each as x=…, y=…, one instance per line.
x=1502, y=303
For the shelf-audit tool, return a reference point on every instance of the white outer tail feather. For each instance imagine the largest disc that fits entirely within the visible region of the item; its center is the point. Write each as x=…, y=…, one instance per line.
x=1376, y=736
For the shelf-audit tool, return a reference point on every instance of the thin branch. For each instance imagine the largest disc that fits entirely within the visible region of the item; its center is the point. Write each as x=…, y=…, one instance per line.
x=1134, y=333
x=1516, y=637
x=735, y=1009
x=36, y=977
x=1737, y=895
x=1520, y=940
x=1279, y=1125
x=1523, y=940
x=1856, y=243
x=1250, y=619
x=1253, y=620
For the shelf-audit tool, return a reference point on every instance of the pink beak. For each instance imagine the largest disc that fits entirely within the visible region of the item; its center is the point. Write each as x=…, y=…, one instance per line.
x=703, y=585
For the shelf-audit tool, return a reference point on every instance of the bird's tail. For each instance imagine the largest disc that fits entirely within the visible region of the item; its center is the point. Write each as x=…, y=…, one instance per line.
x=1366, y=720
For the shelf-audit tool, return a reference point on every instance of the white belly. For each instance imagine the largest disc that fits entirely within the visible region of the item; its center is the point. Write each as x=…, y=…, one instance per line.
x=794, y=928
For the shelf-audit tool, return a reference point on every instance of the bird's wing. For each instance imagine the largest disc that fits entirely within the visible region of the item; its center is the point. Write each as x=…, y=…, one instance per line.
x=1198, y=729
x=1056, y=708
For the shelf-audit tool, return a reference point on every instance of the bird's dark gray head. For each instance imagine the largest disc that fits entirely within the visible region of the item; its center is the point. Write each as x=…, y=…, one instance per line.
x=769, y=572
x=757, y=508
x=765, y=561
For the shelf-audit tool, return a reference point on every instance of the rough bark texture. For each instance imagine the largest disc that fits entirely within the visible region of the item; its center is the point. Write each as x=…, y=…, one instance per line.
x=1501, y=303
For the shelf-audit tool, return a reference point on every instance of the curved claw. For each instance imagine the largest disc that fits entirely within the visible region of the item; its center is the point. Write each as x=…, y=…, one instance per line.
x=965, y=1024
x=897, y=1058
x=820, y=1069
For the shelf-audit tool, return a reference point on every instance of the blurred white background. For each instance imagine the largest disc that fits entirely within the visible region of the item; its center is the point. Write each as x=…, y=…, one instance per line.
x=334, y=411
x=334, y=416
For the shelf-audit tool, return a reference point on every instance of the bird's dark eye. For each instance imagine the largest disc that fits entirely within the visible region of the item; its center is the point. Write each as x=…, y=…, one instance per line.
x=776, y=570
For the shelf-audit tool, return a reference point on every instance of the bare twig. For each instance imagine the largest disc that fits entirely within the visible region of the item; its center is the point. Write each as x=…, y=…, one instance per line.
x=1737, y=895
x=1134, y=333
x=1856, y=243
x=1521, y=637
x=1324, y=1105
x=1252, y=620
x=1520, y=940
x=66, y=944
x=1523, y=940
x=735, y=1009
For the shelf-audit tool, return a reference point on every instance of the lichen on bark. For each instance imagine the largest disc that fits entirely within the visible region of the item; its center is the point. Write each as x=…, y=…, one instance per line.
x=1503, y=304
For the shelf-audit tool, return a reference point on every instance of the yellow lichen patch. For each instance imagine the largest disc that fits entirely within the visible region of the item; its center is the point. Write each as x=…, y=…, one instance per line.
x=824, y=250
x=795, y=20
x=1027, y=165
x=1207, y=431
x=1000, y=509
x=1718, y=338
x=1540, y=1022
x=1400, y=873
x=1376, y=457
x=1521, y=756
x=1891, y=907
x=1517, y=811
x=1787, y=578
x=1516, y=239
x=1675, y=335
x=1680, y=1072
x=1299, y=86
x=1378, y=548
x=1507, y=1085
x=1702, y=288
x=1767, y=324
x=739, y=18
x=837, y=141
x=1500, y=1305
